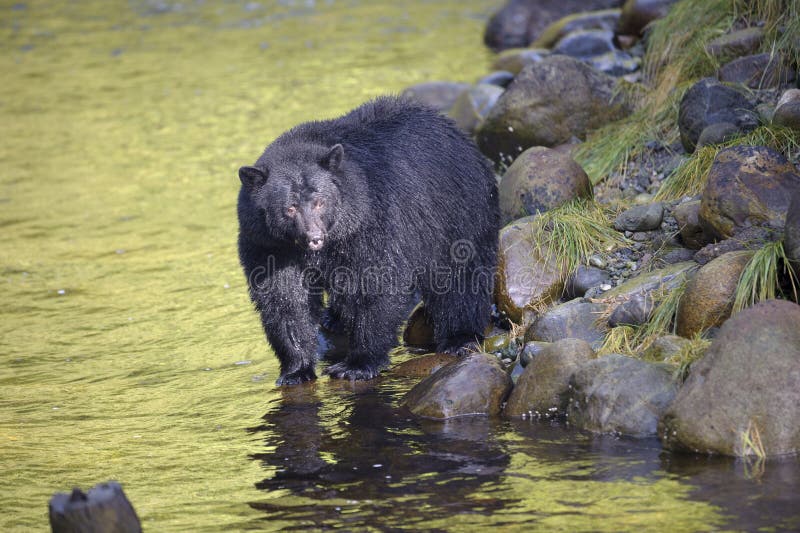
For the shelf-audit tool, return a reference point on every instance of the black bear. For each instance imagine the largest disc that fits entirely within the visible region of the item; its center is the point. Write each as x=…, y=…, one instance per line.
x=371, y=211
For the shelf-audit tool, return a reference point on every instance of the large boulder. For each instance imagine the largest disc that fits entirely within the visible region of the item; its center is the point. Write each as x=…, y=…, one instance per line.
x=575, y=319
x=542, y=387
x=744, y=393
x=709, y=102
x=473, y=385
x=637, y=14
x=618, y=394
x=708, y=299
x=527, y=277
x=747, y=186
x=541, y=179
x=547, y=104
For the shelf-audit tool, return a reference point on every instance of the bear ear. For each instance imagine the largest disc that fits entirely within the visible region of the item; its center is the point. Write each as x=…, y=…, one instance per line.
x=252, y=177
x=333, y=159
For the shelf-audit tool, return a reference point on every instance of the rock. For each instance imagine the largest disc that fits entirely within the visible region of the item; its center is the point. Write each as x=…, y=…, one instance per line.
x=583, y=279
x=424, y=365
x=501, y=78
x=633, y=312
x=539, y=180
x=686, y=214
x=542, y=387
x=575, y=319
x=787, y=112
x=419, y=329
x=637, y=14
x=791, y=233
x=666, y=278
x=747, y=385
x=472, y=106
x=547, y=104
x=640, y=218
x=708, y=299
x=618, y=394
x=472, y=385
x=519, y=22
x=515, y=59
x=594, y=20
x=440, y=95
x=708, y=102
x=531, y=350
x=747, y=186
x=760, y=71
x=717, y=133
x=736, y=43
x=583, y=44
x=504, y=346
x=751, y=238
x=615, y=63
x=526, y=278
x=665, y=348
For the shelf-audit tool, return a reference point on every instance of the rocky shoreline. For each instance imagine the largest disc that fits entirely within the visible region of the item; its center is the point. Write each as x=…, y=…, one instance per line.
x=648, y=278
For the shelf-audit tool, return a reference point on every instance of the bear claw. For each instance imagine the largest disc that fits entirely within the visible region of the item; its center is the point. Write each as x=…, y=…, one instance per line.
x=297, y=377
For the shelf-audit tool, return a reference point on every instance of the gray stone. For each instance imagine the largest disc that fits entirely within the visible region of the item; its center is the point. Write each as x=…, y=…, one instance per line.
x=541, y=389
x=594, y=20
x=531, y=350
x=501, y=78
x=615, y=63
x=618, y=394
x=759, y=71
x=583, y=44
x=633, y=312
x=640, y=218
x=717, y=133
x=686, y=214
x=575, y=319
x=472, y=106
x=746, y=389
x=583, y=279
x=708, y=102
x=516, y=59
x=787, y=111
x=472, y=385
x=440, y=95
x=736, y=43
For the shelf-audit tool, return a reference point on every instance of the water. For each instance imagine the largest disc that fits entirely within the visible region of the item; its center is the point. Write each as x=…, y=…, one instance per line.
x=128, y=347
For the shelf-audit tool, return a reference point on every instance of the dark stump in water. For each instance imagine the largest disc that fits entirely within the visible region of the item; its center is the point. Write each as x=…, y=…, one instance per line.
x=103, y=509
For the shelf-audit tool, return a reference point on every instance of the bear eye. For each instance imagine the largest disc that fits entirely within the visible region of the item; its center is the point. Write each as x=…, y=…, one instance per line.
x=291, y=210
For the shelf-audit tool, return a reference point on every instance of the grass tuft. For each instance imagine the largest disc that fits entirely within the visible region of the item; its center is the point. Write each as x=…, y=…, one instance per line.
x=760, y=279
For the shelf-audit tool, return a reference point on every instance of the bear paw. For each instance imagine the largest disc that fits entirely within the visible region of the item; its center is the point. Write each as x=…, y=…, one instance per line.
x=296, y=377
x=343, y=370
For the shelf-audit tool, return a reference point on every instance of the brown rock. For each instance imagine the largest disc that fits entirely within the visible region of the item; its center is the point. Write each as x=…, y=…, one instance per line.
x=747, y=186
x=708, y=299
x=686, y=214
x=424, y=365
x=473, y=385
x=541, y=388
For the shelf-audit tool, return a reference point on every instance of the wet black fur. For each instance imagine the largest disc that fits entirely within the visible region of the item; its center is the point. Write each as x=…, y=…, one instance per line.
x=408, y=186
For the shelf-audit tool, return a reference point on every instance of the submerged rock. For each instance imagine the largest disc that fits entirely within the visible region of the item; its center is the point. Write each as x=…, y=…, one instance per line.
x=473, y=385
x=618, y=394
x=440, y=95
x=539, y=180
x=746, y=389
x=547, y=104
x=708, y=299
x=576, y=319
x=747, y=186
x=709, y=102
x=541, y=389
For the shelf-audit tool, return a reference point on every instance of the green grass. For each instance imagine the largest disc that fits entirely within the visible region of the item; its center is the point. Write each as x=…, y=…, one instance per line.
x=760, y=279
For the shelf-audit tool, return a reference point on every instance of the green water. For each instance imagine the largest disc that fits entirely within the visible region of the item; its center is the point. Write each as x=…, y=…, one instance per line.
x=128, y=347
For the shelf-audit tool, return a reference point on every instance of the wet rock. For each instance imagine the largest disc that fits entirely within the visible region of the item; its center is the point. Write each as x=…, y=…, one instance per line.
x=791, y=233
x=472, y=106
x=665, y=348
x=760, y=71
x=526, y=278
x=472, y=385
x=637, y=14
x=605, y=19
x=505, y=346
x=575, y=320
x=419, y=329
x=531, y=350
x=747, y=186
x=717, y=133
x=515, y=59
x=736, y=43
x=640, y=218
x=633, y=312
x=787, y=112
x=583, y=279
x=708, y=102
x=542, y=387
x=424, y=365
x=519, y=22
x=618, y=394
x=547, y=104
x=501, y=78
x=746, y=388
x=583, y=44
x=440, y=95
x=708, y=299
x=539, y=180
x=751, y=238
x=687, y=216
x=666, y=278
